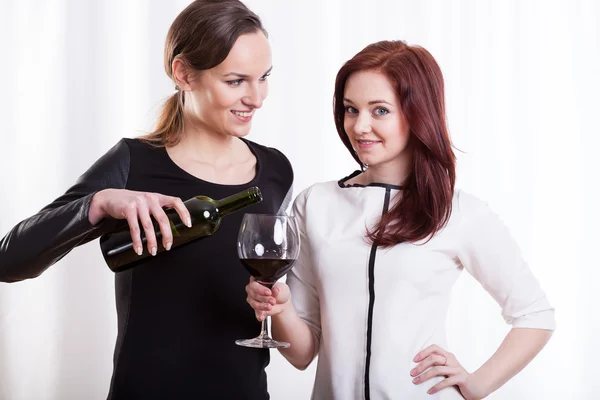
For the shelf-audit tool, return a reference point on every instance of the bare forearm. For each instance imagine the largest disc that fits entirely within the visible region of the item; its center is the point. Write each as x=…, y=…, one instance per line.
x=519, y=347
x=287, y=326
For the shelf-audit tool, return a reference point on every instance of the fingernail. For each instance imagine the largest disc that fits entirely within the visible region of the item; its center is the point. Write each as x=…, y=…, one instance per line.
x=189, y=222
x=168, y=246
x=139, y=251
x=430, y=391
x=416, y=358
x=416, y=380
x=153, y=251
x=413, y=372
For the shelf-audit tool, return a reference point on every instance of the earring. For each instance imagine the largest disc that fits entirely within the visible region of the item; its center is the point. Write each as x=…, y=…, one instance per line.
x=177, y=88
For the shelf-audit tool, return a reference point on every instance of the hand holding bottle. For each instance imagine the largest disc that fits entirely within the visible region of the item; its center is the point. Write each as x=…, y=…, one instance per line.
x=136, y=207
x=123, y=247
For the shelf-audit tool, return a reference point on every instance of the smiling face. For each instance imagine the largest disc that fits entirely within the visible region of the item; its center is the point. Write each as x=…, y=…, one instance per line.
x=224, y=99
x=374, y=121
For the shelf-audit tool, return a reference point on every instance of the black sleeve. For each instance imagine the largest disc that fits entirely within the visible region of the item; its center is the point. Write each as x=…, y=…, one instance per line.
x=38, y=242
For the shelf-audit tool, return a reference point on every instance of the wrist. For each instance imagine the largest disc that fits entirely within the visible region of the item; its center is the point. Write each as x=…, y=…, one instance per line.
x=287, y=311
x=96, y=212
x=481, y=384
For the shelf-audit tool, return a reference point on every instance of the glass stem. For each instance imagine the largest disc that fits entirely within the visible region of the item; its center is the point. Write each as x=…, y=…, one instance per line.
x=263, y=329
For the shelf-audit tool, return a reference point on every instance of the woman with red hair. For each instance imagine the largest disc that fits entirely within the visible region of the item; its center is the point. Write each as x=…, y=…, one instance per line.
x=383, y=247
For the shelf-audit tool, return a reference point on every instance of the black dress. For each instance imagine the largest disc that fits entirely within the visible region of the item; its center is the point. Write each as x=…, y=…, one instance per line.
x=180, y=312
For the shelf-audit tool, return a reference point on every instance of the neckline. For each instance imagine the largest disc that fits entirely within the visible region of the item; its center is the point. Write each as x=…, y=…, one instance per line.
x=342, y=183
x=253, y=181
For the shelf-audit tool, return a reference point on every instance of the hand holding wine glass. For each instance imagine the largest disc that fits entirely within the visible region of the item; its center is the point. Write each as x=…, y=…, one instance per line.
x=265, y=302
x=268, y=246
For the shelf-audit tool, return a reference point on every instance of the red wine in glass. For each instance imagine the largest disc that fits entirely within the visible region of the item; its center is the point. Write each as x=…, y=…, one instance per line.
x=267, y=271
x=268, y=246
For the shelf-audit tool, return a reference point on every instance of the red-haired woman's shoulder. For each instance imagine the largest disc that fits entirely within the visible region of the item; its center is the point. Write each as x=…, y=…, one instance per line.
x=465, y=203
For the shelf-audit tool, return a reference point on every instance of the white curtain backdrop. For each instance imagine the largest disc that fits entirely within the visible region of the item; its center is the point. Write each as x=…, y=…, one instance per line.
x=522, y=80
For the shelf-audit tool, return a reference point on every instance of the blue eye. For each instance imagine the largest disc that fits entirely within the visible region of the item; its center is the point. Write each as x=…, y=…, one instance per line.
x=351, y=110
x=380, y=111
x=235, y=83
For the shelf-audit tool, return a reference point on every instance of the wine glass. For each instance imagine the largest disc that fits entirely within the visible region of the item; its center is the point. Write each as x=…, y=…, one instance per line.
x=268, y=246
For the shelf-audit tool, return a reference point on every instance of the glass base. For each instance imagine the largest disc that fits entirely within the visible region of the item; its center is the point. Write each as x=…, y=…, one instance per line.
x=262, y=342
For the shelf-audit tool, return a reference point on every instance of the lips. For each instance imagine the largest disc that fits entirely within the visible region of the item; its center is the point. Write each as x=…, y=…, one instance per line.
x=244, y=116
x=367, y=144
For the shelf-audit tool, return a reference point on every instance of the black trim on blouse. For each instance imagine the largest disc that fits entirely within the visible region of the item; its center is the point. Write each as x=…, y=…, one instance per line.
x=386, y=206
x=343, y=185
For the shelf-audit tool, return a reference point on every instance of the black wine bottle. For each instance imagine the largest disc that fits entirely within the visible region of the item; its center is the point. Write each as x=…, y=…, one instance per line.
x=206, y=215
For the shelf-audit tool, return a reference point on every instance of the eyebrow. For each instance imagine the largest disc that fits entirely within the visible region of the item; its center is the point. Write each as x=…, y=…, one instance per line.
x=371, y=102
x=240, y=75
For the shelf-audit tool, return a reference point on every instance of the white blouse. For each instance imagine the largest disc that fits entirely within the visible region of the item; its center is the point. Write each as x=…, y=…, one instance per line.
x=372, y=310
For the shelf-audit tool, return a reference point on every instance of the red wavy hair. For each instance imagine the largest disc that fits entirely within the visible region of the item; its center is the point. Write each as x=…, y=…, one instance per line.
x=425, y=202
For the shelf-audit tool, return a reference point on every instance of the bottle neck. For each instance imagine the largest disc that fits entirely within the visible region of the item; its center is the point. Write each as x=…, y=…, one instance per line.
x=238, y=201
